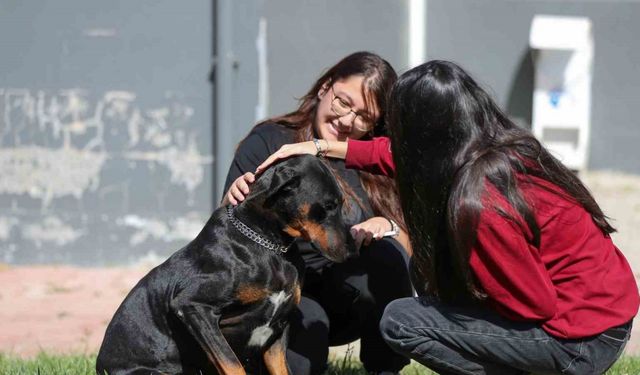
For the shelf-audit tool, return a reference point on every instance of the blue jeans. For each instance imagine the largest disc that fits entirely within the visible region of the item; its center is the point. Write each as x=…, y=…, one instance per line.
x=464, y=340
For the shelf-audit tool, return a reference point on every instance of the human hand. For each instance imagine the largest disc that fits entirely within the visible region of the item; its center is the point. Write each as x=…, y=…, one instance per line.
x=371, y=229
x=288, y=150
x=239, y=189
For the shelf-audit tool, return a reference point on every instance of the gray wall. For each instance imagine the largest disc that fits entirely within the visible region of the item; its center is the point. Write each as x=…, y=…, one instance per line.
x=307, y=37
x=490, y=39
x=105, y=129
x=302, y=38
x=106, y=110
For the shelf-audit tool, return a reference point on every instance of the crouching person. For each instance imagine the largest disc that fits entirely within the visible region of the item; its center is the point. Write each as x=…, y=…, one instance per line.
x=512, y=257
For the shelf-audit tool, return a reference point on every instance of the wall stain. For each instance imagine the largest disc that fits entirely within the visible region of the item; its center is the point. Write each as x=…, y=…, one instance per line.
x=74, y=161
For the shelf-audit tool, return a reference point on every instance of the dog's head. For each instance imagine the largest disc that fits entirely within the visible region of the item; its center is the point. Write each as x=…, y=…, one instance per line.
x=304, y=196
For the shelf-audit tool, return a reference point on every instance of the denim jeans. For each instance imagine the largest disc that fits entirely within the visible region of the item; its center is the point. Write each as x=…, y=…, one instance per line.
x=464, y=340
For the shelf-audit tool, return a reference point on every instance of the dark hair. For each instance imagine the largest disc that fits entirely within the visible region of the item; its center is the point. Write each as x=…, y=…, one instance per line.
x=449, y=138
x=379, y=77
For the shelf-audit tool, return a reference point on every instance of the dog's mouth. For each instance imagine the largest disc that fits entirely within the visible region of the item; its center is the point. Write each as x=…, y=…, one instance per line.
x=336, y=255
x=342, y=249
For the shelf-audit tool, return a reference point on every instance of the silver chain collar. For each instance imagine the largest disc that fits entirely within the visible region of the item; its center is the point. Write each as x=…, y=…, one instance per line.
x=253, y=235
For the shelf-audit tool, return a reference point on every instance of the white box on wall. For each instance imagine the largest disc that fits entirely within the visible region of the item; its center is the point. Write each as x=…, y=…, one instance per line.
x=563, y=50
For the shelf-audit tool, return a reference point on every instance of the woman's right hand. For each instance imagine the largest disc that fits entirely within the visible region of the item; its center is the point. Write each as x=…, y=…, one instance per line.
x=239, y=189
x=286, y=151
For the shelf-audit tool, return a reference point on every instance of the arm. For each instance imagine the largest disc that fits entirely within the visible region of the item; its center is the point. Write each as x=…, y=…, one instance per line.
x=403, y=238
x=373, y=156
x=510, y=270
x=332, y=149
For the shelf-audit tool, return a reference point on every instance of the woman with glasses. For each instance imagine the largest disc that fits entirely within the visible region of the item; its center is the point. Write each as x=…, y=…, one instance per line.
x=341, y=302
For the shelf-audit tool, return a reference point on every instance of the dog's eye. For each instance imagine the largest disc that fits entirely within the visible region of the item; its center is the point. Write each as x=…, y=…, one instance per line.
x=317, y=212
x=320, y=211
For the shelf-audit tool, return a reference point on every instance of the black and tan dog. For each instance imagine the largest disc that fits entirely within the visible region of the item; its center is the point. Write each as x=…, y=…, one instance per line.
x=221, y=303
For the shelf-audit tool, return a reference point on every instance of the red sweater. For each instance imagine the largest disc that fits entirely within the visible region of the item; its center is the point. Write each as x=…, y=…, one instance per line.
x=576, y=283
x=373, y=156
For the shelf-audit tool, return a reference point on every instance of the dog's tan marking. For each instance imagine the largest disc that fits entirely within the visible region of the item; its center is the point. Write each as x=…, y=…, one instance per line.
x=293, y=229
x=297, y=228
x=293, y=232
x=275, y=360
x=297, y=294
x=315, y=232
x=230, y=368
x=250, y=293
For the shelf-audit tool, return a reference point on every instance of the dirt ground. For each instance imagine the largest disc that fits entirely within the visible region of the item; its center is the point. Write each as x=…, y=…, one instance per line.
x=64, y=309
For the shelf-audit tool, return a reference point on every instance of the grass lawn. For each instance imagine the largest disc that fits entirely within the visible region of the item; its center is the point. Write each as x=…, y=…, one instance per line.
x=45, y=364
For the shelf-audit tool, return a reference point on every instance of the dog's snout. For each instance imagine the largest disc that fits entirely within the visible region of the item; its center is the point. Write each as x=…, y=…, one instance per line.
x=337, y=247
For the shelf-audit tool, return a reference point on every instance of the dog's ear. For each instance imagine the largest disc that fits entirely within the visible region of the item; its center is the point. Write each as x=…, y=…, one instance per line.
x=284, y=181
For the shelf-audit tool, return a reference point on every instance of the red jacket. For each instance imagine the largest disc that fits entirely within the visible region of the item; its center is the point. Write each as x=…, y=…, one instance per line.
x=576, y=283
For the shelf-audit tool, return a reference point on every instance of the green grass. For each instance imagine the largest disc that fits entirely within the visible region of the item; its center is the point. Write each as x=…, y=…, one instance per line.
x=45, y=364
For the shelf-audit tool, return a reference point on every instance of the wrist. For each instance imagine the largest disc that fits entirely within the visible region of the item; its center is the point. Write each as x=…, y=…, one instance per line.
x=319, y=150
x=395, y=229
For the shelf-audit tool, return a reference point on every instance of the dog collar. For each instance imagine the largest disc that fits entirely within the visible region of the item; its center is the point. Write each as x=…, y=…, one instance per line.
x=253, y=235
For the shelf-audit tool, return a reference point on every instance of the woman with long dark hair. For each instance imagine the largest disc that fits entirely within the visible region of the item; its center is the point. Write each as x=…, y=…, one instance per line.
x=512, y=257
x=341, y=302
x=516, y=268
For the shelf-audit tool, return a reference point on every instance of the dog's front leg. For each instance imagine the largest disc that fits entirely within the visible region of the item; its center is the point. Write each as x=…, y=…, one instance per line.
x=202, y=322
x=275, y=356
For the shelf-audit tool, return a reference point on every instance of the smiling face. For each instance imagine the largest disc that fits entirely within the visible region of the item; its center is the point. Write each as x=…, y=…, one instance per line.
x=343, y=110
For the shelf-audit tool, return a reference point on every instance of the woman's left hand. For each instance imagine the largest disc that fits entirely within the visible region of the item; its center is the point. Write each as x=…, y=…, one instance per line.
x=369, y=230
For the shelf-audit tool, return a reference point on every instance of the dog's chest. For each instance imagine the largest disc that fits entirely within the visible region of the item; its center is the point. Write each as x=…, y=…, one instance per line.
x=258, y=324
x=262, y=306
x=277, y=307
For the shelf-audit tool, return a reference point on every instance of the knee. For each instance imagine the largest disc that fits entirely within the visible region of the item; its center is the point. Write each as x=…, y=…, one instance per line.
x=309, y=316
x=395, y=324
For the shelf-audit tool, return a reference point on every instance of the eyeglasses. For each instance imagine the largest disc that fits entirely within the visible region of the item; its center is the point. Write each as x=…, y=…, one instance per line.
x=341, y=108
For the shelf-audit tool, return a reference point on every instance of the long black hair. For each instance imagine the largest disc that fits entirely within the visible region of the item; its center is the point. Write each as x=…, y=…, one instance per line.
x=449, y=139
